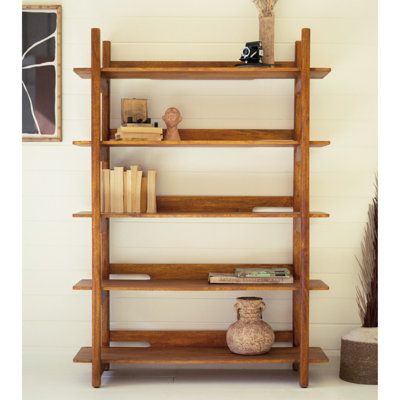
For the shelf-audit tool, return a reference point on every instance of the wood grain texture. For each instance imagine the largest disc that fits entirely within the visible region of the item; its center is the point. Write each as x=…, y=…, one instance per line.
x=192, y=285
x=202, y=143
x=96, y=209
x=217, y=137
x=199, y=70
x=165, y=339
x=313, y=214
x=184, y=271
x=193, y=355
x=305, y=208
x=105, y=231
x=296, y=249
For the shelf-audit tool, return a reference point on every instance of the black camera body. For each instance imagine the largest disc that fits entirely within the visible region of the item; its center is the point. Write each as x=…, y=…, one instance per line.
x=252, y=53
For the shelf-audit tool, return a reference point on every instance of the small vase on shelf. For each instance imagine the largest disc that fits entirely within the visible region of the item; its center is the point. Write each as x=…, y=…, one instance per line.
x=250, y=335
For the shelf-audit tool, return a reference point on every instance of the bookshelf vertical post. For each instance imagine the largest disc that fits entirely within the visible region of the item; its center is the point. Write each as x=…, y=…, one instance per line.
x=105, y=226
x=96, y=210
x=305, y=206
x=297, y=204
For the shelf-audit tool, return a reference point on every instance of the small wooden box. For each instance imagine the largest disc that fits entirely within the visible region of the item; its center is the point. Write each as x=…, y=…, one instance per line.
x=135, y=108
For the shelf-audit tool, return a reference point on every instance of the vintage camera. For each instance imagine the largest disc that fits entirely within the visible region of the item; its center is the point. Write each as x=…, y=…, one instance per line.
x=252, y=53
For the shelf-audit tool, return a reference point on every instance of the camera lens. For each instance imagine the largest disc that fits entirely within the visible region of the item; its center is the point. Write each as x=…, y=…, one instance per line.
x=246, y=51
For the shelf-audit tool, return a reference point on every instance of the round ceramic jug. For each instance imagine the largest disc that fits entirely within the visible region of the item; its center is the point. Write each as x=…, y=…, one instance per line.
x=250, y=335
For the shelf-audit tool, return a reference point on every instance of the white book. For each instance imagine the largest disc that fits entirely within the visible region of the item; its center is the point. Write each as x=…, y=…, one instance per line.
x=119, y=189
x=134, y=176
x=138, y=191
x=151, y=192
x=127, y=191
x=105, y=191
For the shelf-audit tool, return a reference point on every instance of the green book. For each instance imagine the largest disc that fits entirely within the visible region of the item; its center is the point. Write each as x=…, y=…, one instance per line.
x=262, y=272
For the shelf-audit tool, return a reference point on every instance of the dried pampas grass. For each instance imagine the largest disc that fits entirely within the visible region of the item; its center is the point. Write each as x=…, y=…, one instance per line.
x=265, y=7
x=367, y=293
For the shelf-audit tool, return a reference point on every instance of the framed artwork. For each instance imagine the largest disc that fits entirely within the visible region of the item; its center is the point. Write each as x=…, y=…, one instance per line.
x=41, y=73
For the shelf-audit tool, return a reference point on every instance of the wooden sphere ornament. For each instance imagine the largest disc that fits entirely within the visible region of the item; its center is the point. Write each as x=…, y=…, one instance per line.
x=172, y=117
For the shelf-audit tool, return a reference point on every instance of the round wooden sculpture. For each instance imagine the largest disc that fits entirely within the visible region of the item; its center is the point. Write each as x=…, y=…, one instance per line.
x=172, y=117
x=250, y=335
x=359, y=356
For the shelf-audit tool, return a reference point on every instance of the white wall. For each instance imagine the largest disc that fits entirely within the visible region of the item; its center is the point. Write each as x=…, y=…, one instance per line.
x=56, y=176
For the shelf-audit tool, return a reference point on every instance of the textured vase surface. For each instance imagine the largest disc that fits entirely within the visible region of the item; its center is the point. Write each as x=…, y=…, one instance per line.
x=267, y=38
x=250, y=335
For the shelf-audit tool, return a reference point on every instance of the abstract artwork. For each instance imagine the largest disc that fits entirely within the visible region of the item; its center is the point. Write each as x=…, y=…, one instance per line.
x=41, y=73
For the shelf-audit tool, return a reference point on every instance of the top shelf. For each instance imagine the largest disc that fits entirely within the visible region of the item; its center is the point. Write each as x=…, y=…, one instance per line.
x=206, y=70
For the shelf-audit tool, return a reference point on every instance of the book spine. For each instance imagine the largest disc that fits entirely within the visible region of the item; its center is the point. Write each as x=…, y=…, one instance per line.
x=112, y=191
x=143, y=195
x=138, y=190
x=105, y=173
x=151, y=192
x=119, y=189
x=127, y=191
x=236, y=280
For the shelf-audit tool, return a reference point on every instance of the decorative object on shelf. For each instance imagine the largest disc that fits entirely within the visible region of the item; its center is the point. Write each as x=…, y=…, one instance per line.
x=253, y=275
x=172, y=117
x=215, y=277
x=252, y=53
x=41, y=73
x=250, y=335
x=133, y=110
x=128, y=191
x=134, y=132
x=359, y=348
x=267, y=29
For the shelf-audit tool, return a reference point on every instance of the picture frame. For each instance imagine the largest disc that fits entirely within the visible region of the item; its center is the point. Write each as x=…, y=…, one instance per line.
x=41, y=73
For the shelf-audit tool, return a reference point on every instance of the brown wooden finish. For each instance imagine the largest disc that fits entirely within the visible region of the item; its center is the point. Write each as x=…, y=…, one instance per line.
x=192, y=285
x=96, y=217
x=305, y=207
x=296, y=204
x=167, y=339
x=198, y=347
x=184, y=271
x=202, y=143
x=313, y=214
x=193, y=355
x=201, y=70
x=105, y=231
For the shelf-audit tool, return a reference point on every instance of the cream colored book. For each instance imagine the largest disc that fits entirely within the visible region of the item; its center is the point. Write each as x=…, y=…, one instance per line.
x=127, y=191
x=105, y=191
x=140, y=129
x=143, y=195
x=151, y=192
x=138, y=191
x=119, y=189
x=112, y=191
x=134, y=170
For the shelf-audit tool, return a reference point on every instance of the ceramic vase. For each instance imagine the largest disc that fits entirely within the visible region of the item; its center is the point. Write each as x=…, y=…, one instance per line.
x=250, y=335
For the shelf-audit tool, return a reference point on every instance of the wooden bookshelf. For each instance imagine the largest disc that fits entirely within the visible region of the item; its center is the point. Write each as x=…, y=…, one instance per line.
x=199, y=347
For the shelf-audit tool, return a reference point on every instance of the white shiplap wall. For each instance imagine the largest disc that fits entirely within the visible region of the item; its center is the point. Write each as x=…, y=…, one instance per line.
x=56, y=176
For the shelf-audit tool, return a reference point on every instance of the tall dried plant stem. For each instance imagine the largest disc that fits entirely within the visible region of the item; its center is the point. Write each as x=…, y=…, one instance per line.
x=367, y=293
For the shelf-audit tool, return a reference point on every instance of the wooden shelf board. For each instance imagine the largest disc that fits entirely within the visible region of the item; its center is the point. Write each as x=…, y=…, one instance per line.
x=196, y=355
x=313, y=214
x=202, y=143
x=199, y=70
x=191, y=285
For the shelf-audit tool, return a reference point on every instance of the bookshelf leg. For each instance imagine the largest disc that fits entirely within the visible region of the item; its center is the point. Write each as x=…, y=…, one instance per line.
x=96, y=213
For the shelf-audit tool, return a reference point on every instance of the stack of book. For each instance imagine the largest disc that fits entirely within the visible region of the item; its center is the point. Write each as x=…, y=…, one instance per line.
x=253, y=275
x=139, y=132
x=128, y=191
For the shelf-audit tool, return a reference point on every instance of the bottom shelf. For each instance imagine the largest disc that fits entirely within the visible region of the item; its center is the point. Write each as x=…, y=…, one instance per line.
x=195, y=355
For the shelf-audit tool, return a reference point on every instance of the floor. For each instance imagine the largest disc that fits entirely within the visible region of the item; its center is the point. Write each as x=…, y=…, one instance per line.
x=54, y=376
